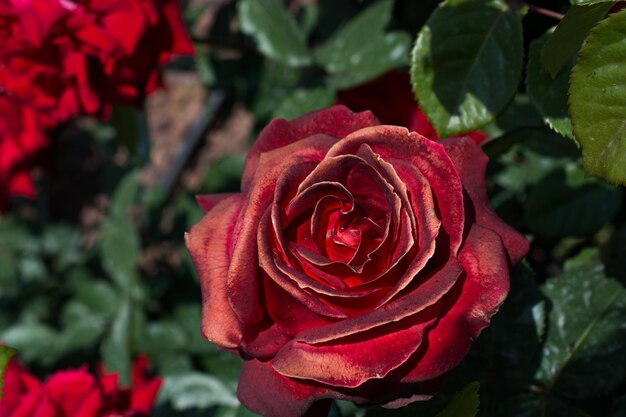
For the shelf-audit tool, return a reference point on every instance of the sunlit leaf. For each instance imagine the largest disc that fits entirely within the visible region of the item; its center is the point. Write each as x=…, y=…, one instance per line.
x=275, y=30
x=598, y=99
x=466, y=63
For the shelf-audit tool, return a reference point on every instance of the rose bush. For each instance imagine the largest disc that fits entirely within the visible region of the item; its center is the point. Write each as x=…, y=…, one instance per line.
x=76, y=393
x=358, y=262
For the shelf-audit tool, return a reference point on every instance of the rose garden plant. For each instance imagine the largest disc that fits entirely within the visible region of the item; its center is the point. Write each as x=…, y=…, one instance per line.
x=286, y=208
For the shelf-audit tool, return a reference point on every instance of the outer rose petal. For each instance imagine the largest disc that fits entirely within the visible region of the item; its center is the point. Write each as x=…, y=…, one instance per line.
x=351, y=361
x=336, y=121
x=265, y=391
x=471, y=162
x=485, y=287
x=209, y=243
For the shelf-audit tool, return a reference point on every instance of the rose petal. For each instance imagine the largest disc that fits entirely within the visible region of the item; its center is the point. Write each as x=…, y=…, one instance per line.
x=471, y=162
x=266, y=392
x=431, y=290
x=484, y=289
x=336, y=121
x=429, y=157
x=351, y=361
x=242, y=282
x=209, y=242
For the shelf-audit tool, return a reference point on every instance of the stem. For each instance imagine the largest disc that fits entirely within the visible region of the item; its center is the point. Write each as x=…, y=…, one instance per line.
x=545, y=12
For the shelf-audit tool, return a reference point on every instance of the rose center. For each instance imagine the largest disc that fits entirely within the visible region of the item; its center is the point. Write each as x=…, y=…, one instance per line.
x=351, y=236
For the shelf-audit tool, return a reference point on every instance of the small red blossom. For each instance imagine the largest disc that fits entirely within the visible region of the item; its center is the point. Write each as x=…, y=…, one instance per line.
x=22, y=140
x=74, y=393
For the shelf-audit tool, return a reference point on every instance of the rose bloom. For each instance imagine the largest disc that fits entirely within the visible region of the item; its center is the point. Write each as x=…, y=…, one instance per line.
x=76, y=393
x=70, y=58
x=391, y=99
x=22, y=141
x=358, y=262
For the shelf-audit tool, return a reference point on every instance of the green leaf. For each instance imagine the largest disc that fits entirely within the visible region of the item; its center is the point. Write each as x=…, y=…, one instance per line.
x=598, y=99
x=6, y=353
x=466, y=63
x=275, y=30
x=119, y=248
x=569, y=35
x=302, y=101
x=464, y=403
x=125, y=195
x=204, y=66
x=35, y=341
x=361, y=50
x=585, y=349
x=277, y=82
x=548, y=94
x=196, y=390
x=116, y=350
x=567, y=204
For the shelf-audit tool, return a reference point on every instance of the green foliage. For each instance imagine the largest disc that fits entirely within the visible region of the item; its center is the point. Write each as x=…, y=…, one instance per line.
x=275, y=30
x=549, y=94
x=6, y=353
x=598, y=99
x=466, y=63
x=350, y=60
x=565, y=203
x=558, y=50
x=303, y=101
x=585, y=348
x=464, y=403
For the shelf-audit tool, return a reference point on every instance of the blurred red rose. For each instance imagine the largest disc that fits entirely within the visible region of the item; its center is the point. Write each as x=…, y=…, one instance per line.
x=391, y=99
x=76, y=393
x=358, y=262
x=22, y=140
x=69, y=58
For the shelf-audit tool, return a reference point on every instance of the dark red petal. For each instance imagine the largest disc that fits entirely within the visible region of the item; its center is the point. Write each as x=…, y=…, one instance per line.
x=350, y=361
x=424, y=295
x=68, y=389
x=268, y=393
x=264, y=340
x=393, y=142
x=484, y=289
x=336, y=121
x=242, y=282
x=294, y=283
x=208, y=201
x=290, y=315
x=210, y=243
x=471, y=162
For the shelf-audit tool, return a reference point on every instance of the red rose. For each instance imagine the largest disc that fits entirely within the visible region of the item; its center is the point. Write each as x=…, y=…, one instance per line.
x=22, y=139
x=358, y=262
x=391, y=99
x=68, y=58
x=76, y=393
